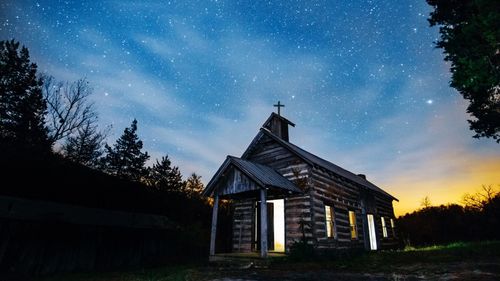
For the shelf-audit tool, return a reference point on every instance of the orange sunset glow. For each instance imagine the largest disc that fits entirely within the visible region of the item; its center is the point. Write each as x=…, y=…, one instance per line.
x=410, y=192
x=441, y=160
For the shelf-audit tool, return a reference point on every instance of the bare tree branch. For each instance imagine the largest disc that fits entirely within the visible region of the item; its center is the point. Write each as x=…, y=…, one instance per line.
x=479, y=199
x=68, y=107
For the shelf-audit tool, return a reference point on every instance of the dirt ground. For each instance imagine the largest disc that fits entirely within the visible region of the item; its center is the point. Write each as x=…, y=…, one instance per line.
x=477, y=261
x=480, y=271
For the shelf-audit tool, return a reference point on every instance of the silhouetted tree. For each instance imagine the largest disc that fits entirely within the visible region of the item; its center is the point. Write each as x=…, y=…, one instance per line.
x=426, y=202
x=194, y=186
x=163, y=176
x=478, y=220
x=434, y=225
x=470, y=38
x=86, y=146
x=480, y=199
x=69, y=108
x=491, y=215
x=125, y=159
x=22, y=107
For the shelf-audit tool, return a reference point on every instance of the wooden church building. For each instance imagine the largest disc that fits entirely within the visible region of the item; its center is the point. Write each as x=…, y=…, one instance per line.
x=283, y=194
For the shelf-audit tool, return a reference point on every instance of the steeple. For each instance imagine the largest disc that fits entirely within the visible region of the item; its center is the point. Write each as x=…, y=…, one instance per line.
x=279, y=106
x=278, y=124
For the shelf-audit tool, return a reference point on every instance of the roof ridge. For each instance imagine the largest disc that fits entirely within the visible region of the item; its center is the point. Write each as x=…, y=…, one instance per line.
x=347, y=174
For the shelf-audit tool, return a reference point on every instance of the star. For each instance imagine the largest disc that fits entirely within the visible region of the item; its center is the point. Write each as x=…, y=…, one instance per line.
x=354, y=86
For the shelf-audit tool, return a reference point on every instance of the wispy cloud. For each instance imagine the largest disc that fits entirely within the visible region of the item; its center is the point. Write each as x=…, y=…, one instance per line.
x=203, y=149
x=201, y=79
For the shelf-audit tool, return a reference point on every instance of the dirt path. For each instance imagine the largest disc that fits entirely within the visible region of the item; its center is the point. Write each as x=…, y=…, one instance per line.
x=449, y=271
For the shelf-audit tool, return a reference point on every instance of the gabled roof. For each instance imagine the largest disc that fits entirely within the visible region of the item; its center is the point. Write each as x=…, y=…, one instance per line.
x=264, y=176
x=316, y=161
x=274, y=115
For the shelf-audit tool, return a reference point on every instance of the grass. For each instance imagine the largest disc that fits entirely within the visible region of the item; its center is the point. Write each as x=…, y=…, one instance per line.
x=387, y=261
x=449, y=246
x=408, y=260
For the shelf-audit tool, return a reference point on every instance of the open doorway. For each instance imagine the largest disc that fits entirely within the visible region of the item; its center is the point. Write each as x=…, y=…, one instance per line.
x=275, y=227
x=371, y=232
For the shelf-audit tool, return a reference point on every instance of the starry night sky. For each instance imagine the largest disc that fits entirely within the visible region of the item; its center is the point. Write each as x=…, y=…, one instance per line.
x=361, y=79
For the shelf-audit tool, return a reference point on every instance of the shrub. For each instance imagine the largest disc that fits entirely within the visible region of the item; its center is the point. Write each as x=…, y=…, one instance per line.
x=302, y=251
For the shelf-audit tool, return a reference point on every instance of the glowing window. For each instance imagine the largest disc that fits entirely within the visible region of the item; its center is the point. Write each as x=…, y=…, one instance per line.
x=352, y=223
x=393, y=228
x=330, y=222
x=384, y=227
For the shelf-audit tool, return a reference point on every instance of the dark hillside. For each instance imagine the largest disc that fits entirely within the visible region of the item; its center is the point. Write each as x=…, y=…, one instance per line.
x=134, y=233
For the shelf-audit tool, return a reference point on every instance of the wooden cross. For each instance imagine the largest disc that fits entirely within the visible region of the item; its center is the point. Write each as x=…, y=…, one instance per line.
x=279, y=105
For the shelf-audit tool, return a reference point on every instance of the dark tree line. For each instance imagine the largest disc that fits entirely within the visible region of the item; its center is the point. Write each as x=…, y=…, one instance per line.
x=125, y=159
x=49, y=132
x=38, y=112
x=477, y=219
x=86, y=146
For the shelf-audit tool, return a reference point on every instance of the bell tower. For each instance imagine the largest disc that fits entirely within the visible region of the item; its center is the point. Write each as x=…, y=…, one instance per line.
x=278, y=124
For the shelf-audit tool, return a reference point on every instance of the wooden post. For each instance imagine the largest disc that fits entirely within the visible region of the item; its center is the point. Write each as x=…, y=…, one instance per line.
x=263, y=223
x=213, y=233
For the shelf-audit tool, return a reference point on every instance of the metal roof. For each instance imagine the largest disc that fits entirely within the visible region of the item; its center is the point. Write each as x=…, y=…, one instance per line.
x=264, y=176
x=315, y=160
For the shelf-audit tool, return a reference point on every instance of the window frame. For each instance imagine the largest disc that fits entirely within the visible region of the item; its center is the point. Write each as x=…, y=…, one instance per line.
x=353, y=227
x=385, y=234
x=333, y=225
x=393, y=228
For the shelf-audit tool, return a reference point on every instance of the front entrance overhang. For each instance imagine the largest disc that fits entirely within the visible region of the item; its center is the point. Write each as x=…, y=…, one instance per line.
x=242, y=179
x=236, y=176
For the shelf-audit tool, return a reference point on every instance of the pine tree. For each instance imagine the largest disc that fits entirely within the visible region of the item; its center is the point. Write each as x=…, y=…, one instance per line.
x=125, y=158
x=194, y=186
x=163, y=177
x=86, y=146
x=22, y=107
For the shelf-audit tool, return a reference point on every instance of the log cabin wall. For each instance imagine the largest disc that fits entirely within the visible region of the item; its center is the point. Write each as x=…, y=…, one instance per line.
x=305, y=214
x=368, y=206
x=243, y=224
x=297, y=208
x=343, y=196
x=298, y=220
x=270, y=153
x=297, y=215
x=386, y=210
